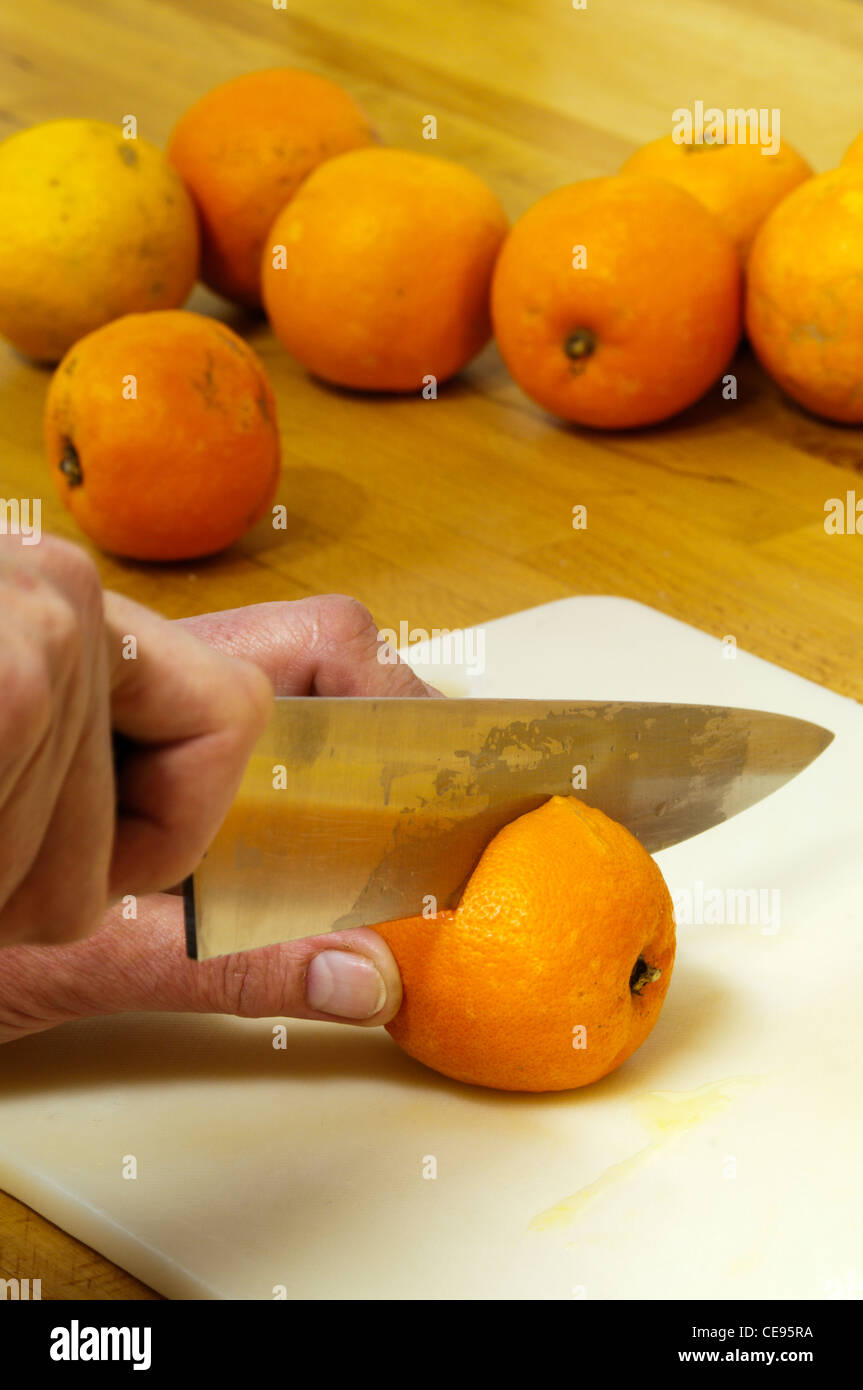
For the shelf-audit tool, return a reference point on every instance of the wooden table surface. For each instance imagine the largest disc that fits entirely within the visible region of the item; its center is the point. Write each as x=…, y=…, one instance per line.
x=451, y=512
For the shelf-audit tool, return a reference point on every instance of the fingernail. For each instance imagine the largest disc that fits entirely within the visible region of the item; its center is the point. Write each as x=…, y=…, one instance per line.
x=345, y=985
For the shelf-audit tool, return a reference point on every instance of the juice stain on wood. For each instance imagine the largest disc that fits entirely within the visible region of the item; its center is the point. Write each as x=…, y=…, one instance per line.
x=664, y=1115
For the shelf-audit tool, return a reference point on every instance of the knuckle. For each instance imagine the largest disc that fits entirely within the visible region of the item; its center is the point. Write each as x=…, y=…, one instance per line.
x=76, y=591
x=345, y=619
x=237, y=986
x=61, y=630
x=69, y=615
x=70, y=566
x=88, y=582
x=28, y=699
x=26, y=676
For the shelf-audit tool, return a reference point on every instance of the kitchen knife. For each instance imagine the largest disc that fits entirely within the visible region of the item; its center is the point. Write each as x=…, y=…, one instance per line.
x=354, y=811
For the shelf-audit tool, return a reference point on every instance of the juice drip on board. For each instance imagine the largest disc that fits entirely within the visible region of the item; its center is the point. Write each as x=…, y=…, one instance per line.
x=664, y=1115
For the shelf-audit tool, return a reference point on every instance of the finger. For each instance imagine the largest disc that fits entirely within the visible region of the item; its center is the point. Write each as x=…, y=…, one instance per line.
x=51, y=615
x=193, y=715
x=141, y=966
x=61, y=805
x=311, y=646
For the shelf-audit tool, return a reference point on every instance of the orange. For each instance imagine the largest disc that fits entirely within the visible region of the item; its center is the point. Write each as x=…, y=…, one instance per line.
x=804, y=302
x=161, y=436
x=377, y=274
x=554, y=966
x=617, y=302
x=243, y=150
x=736, y=182
x=854, y=152
x=93, y=226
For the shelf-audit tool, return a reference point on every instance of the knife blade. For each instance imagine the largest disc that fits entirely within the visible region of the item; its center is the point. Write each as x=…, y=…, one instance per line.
x=354, y=811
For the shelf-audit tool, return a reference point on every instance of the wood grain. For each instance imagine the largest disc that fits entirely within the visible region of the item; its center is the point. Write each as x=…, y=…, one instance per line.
x=457, y=511
x=32, y=1248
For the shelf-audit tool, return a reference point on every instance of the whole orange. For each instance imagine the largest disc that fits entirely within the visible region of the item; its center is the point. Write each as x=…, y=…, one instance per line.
x=160, y=431
x=377, y=275
x=554, y=966
x=617, y=302
x=243, y=150
x=738, y=183
x=93, y=226
x=804, y=299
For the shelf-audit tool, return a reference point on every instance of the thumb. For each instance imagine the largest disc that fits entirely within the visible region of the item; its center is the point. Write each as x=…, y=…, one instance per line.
x=142, y=966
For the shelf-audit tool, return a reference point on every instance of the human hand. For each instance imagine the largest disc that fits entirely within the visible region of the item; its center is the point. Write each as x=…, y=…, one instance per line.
x=123, y=738
x=325, y=646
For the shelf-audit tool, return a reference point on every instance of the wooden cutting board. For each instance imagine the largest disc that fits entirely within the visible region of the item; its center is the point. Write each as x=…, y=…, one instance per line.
x=722, y=1160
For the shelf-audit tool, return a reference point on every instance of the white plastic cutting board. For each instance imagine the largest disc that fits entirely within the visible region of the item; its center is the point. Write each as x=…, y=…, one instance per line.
x=723, y=1159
